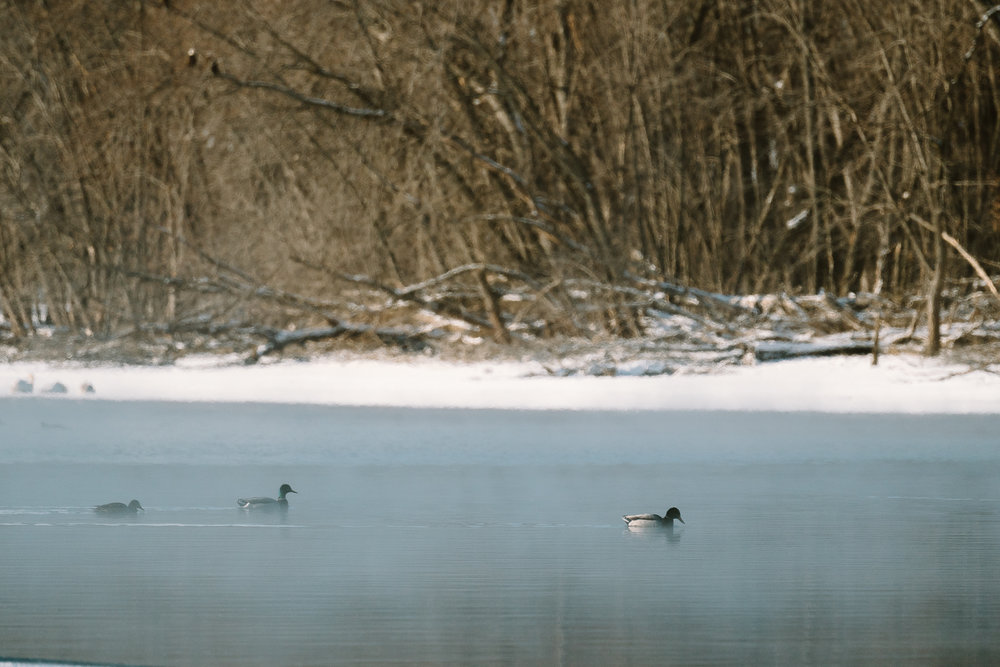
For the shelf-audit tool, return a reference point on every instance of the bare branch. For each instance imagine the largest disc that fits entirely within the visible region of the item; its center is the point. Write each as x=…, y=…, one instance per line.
x=294, y=94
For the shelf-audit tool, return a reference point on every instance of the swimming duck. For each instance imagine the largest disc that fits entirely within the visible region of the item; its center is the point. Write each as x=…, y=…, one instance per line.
x=120, y=508
x=263, y=503
x=647, y=520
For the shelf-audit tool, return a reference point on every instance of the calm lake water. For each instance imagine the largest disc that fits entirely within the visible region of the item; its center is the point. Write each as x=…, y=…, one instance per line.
x=495, y=537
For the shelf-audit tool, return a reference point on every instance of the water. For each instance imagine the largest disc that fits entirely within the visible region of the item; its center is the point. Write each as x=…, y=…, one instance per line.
x=480, y=537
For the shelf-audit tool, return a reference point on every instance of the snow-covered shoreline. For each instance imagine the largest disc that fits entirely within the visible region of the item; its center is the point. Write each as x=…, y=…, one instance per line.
x=844, y=384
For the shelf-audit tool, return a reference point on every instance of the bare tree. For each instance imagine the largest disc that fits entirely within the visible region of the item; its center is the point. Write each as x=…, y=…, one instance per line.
x=525, y=167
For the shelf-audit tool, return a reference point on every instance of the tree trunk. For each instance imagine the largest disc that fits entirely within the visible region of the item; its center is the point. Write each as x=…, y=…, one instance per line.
x=933, y=345
x=492, y=307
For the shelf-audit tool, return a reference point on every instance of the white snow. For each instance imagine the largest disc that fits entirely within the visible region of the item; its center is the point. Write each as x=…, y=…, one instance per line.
x=899, y=384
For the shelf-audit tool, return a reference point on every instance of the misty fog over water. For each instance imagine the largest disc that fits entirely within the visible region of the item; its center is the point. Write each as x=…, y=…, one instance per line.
x=479, y=536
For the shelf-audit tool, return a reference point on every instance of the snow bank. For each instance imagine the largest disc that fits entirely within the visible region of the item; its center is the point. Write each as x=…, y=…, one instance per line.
x=899, y=384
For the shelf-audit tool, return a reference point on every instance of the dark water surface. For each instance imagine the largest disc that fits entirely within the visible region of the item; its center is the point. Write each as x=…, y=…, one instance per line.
x=479, y=537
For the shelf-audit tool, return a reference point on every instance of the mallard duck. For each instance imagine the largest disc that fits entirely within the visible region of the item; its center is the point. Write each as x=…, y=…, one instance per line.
x=647, y=520
x=120, y=508
x=262, y=503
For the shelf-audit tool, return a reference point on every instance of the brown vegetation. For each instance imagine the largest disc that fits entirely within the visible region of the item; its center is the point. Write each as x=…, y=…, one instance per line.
x=530, y=169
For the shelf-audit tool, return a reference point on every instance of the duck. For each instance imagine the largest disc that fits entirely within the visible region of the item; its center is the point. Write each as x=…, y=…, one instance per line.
x=120, y=508
x=648, y=520
x=264, y=503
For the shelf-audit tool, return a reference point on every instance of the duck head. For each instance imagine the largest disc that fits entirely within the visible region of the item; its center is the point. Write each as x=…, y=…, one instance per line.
x=673, y=513
x=285, y=488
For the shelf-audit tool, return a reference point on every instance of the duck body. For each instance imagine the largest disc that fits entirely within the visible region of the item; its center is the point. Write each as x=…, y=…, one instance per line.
x=261, y=502
x=120, y=508
x=652, y=520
